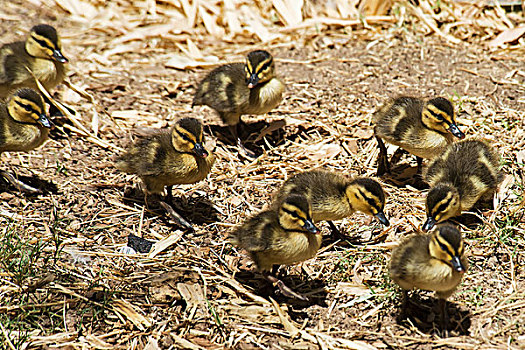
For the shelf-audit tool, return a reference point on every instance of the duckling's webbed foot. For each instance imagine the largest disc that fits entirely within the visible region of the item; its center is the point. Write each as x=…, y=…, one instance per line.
x=179, y=220
x=19, y=185
x=383, y=166
x=285, y=290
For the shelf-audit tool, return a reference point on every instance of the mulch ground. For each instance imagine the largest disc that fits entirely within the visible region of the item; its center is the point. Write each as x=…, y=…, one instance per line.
x=198, y=291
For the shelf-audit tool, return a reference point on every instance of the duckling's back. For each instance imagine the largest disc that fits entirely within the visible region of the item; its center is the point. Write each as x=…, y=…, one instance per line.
x=471, y=166
x=157, y=162
x=325, y=190
x=223, y=89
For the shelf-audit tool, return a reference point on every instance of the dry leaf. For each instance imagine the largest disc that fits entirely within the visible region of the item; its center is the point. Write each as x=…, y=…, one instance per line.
x=128, y=310
x=184, y=62
x=507, y=36
x=289, y=10
x=164, y=244
x=286, y=322
x=364, y=133
x=324, y=151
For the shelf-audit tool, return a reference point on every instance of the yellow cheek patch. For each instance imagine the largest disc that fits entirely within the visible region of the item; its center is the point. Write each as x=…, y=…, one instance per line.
x=249, y=68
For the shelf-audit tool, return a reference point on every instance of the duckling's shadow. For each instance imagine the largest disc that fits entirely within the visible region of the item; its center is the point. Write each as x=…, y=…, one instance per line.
x=197, y=209
x=43, y=186
x=255, y=136
x=314, y=289
x=425, y=316
x=404, y=174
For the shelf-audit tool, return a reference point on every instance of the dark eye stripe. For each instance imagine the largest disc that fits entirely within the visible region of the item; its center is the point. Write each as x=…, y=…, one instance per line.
x=442, y=207
x=293, y=213
x=184, y=136
x=24, y=106
x=370, y=201
x=43, y=43
x=445, y=249
x=265, y=66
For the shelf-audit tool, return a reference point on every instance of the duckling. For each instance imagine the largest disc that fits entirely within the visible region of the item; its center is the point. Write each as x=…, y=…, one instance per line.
x=466, y=172
x=40, y=53
x=433, y=261
x=23, y=126
x=241, y=88
x=283, y=235
x=422, y=128
x=169, y=158
x=334, y=197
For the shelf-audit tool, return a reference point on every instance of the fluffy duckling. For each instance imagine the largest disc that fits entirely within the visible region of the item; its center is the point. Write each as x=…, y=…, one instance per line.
x=169, y=158
x=422, y=128
x=334, y=197
x=40, y=53
x=280, y=236
x=23, y=126
x=433, y=261
x=467, y=171
x=241, y=88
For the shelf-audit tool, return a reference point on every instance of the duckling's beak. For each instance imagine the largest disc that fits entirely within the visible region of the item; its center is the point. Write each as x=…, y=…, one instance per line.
x=454, y=130
x=310, y=227
x=44, y=121
x=429, y=224
x=57, y=56
x=199, y=150
x=457, y=264
x=382, y=218
x=252, y=81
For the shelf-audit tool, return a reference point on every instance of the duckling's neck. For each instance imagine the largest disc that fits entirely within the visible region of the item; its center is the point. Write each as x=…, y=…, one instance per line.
x=265, y=96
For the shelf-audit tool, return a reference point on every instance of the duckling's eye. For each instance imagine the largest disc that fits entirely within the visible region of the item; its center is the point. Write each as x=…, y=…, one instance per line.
x=43, y=43
x=28, y=108
x=440, y=118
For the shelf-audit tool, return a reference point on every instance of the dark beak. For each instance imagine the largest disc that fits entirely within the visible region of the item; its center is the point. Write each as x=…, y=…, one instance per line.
x=457, y=264
x=200, y=150
x=252, y=81
x=310, y=227
x=382, y=218
x=454, y=130
x=44, y=121
x=429, y=224
x=57, y=56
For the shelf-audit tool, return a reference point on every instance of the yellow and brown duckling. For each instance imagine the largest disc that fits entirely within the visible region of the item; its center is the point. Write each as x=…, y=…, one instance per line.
x=241, y=88
x=334, y=196
x=169, y=158
x=23, y=126
x=422, y=128
x=433, y=262
x=41, y=53
x=465, y=173
x=284, y=235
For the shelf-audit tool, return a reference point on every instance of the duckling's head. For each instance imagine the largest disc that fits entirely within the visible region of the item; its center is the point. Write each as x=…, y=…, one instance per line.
x=26, y=106
x=259, y=68
x=367, y=196
x=446, y=245
x=186, y=136
x=295, y=213
x=438, y=114
x=443, y=202
x=43, y=42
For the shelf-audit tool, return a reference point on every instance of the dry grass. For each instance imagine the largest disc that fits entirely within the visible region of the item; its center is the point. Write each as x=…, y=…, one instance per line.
x=65, y=281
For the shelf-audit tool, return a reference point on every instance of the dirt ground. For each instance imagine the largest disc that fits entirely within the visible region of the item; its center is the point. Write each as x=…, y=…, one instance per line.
x=200, y=291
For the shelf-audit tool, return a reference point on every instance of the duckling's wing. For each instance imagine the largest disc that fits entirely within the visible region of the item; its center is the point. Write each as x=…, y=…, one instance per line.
x=14, y=61
x=223, y=89
x=257, y=233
